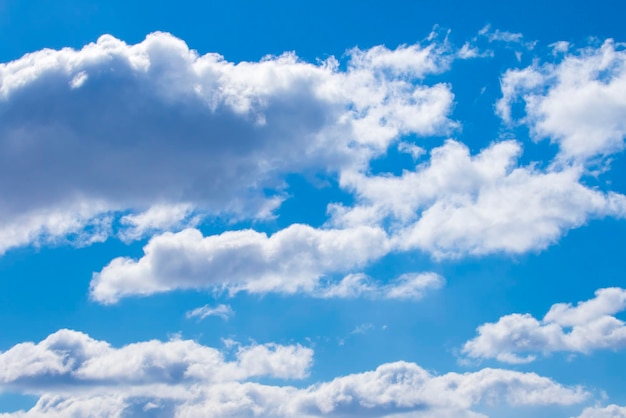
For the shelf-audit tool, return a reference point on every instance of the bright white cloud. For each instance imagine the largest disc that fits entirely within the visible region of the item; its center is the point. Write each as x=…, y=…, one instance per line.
x=141, y=128
x=453, y=205
x=223, y=311
x=590, y=325
x=183, y=378
x=289, y=261
x=611, y=411
x=70, y=358
x=578, y=103
x=458, y=204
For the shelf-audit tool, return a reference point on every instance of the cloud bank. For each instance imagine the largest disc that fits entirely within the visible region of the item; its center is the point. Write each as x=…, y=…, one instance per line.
x=75, y=374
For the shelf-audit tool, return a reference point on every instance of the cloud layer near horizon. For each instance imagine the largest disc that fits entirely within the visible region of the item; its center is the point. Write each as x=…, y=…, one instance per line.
x=76, y=375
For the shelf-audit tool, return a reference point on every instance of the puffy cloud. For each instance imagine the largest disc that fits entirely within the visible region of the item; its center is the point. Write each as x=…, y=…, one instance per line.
x=295, y=259
x=223, y=311
x=457, y=204
x=291, y=260
x=79, y=376
x=70, y=359
x=453, y=205
x=611, y=411
x=141, y=128
x=588, y=326
x=579, y=102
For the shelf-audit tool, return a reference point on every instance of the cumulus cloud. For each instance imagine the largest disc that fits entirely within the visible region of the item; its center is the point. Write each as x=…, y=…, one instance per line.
x=611, y=411
x=291, y=260
x=453, y=205
x=69, y=358
x=578, y=103
x=76, y=375
x=141, y=128
x=457, y=204
x=590, y=325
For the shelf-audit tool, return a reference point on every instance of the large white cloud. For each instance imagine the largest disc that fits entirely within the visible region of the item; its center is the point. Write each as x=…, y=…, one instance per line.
x=578, y=103
x=295, y=259
x=70, y=358
x=117, y=127
x=590, y=325
x=76, y=375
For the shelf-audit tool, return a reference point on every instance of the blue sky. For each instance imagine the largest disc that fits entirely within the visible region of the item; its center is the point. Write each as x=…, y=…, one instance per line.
x=264, y=209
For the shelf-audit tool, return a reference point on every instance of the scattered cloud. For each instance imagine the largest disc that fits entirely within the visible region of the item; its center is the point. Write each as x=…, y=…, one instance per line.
x=156, y=219
x=457, y=204
x=588, y=326
x=578, y=103
x=222, y=311
x=409, y=286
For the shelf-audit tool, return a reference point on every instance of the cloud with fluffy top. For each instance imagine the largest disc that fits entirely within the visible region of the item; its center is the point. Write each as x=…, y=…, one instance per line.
x=70, y=358
x=578, y=103
x=588, y=326
x=611, y=411
x=113, y=128
x=457, y=204
x=75, y=374
x=293, y=260
x=289, y=261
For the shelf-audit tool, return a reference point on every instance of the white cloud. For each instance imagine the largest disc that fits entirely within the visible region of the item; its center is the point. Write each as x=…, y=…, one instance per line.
x=51, y=406
x=156, y=129
x=289, y=261
x=590, y=325
x=69, y=358
x=296, y=259
x=75, y=375
x=611, y=411
x=409, y=286
x=223, y=311
x=155, y=219
x=458, y=204
x=577, y=103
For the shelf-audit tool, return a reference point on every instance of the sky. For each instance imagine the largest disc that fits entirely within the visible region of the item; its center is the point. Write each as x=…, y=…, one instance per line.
x=312, y=209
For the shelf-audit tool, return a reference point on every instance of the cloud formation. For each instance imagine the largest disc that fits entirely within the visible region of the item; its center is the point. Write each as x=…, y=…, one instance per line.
x=588, y=326
x=222, y=311
x=611, y=411
x=71, y=359
x=458, y=204
x=75, y=374
x=112, y=128
x=289, y=261
x=578, y=103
